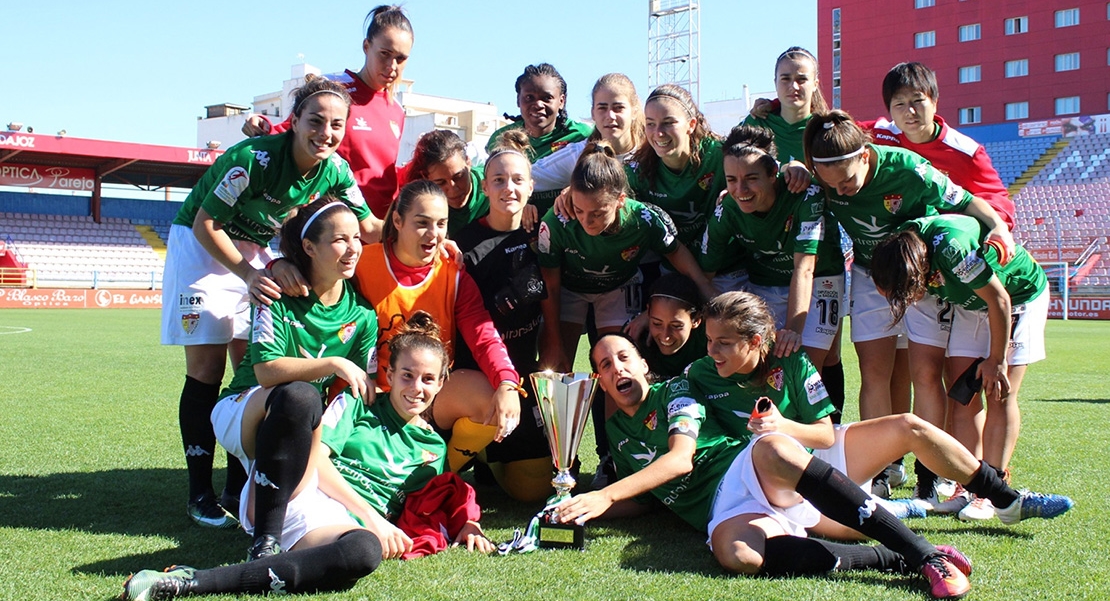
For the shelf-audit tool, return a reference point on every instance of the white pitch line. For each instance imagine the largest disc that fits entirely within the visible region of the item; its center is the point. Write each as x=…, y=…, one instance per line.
x=14, y=330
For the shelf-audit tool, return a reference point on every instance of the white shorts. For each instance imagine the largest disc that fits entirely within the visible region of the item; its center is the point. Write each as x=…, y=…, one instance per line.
x=929, y=321
x=825, y=306
x=227, y=423
x=308, y=510
x=870, y=311
x=971, y=334
x=203, y=302
x=739, y=491
x=731, y=281
x=611, y=309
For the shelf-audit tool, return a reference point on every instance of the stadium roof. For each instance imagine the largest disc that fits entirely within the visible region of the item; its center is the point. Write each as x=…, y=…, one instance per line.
x=145, y=166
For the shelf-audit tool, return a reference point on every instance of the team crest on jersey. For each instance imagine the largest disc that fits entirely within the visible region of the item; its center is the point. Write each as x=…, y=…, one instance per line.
x=630, y=253
x=233, y=184
x=936, y=279
x=706, y=180
x=189, y=322
x=652, y=421
x=395, y=128
x=347, y=332
x=428, y=457
x=892, y=202
x=558, y=145
x=543, y=239
x=775, y=379
x=789, y=223
x=262, y=157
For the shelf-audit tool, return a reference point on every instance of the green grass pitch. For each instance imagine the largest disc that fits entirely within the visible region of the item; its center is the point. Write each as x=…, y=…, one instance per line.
x=92, y=488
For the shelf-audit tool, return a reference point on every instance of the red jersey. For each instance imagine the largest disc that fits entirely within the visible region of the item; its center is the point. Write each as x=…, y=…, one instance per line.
x=372, y=140
x=961, y=158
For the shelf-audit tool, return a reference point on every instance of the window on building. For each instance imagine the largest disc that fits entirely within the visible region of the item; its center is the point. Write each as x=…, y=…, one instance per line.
x=970, y=33
x=1017, y=110
x=971, y=114
x=1067, y=17
x=1067, y=62
x=924, y=3
x=1018, y=68
x=1016, y=25
x=925, y=39
x=1067, y=106
x=971, y=74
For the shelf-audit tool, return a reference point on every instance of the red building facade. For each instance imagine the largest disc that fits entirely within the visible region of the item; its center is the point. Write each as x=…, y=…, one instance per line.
x=996, y=60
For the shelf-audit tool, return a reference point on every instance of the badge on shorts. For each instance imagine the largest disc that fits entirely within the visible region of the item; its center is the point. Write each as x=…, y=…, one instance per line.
x=189, y=322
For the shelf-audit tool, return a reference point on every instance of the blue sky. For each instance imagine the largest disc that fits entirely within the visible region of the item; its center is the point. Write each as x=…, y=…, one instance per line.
x=141, y=71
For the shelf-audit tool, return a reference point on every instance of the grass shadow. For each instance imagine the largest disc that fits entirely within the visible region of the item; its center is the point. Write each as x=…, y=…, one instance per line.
x=1086, y=401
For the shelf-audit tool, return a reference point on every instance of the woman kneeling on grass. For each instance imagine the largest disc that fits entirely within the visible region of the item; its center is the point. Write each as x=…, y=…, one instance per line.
x=334, y=516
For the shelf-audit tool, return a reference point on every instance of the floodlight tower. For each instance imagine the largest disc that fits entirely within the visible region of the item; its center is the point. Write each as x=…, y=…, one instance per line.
x=674, y=44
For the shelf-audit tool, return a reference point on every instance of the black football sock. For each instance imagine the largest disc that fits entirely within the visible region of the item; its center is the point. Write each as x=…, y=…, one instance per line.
x=194, y=413
x=926, y=479
x=281, y=452
x=797, y=556
x=841, y=500
x=332, y=567
x=236, y=476
x=833, y=377
x=985, y=482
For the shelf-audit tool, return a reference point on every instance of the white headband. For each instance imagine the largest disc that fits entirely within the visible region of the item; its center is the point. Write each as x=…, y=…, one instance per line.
x=308, y=224
x=854, y=153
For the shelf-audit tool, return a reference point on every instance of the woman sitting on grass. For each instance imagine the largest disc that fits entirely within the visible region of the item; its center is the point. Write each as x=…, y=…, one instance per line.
x=341, y=514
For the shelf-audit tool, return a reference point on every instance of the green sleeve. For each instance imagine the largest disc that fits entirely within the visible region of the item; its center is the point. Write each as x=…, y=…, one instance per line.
x=346, y=188
x=715, y=243
x=364, y=349
x=941, y=192
x=339, y=422
x=238, y=178
x=809, y=399
x=809, y=222
x=962, y=259
x=550, y=242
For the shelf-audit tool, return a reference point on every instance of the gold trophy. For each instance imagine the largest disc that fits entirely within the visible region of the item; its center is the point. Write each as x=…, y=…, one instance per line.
x=564, y=401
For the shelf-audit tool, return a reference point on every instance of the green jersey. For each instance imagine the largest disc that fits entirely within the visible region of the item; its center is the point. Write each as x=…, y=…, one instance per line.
x=253, y=186
x=593, y=264
x=791, y=383
x=296, y=326
x=962, y=263
x=571, y=131
x=378, y=454
x=795, y=224
x=477, y=205
x=904, y=186
x=638, y=440
x=688, y=195
x=669, y=366
x=788, y=136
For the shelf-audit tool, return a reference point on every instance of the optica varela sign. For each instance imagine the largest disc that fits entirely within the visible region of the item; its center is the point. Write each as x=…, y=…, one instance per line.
x=40, y=176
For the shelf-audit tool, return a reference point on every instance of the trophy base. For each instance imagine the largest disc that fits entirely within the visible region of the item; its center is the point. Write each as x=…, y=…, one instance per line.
x=561, y=536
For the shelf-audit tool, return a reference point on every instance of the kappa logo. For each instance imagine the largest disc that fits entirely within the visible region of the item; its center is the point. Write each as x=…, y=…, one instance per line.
x=262, y=157
x=360, y=125
x=937, y=240
x=347, y=332
x=645, y=215
x=261, y=480
x=775, y=379
x=652, y=421
x=277, y=585
x=922, y=170
x=189, y=322
x=867, y=509
x=813, y=190
x=719, y=210
x=892, y=202
x=195, y=451
x=706, y=180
